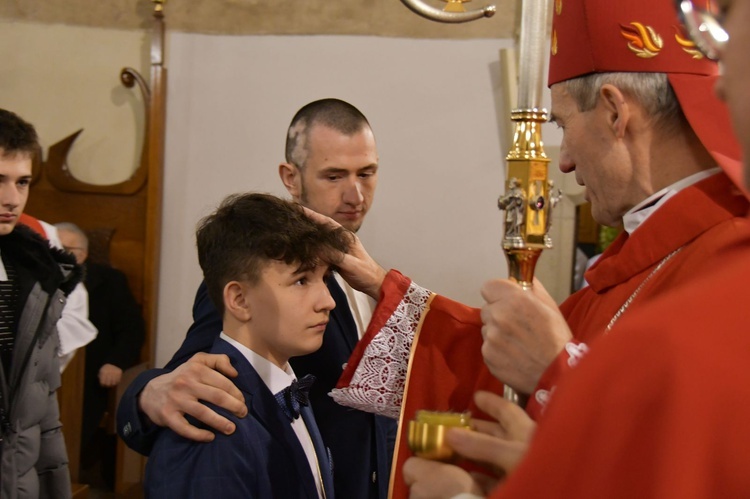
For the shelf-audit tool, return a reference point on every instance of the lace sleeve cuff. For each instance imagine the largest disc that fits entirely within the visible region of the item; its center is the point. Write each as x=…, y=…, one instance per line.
x=375, y=376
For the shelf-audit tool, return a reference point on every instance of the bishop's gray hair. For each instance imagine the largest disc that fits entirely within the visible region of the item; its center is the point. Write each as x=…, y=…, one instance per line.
x=651, y=90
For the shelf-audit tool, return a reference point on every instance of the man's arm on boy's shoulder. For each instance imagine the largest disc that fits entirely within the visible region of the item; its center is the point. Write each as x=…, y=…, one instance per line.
x=134, y=427
x=162, y=397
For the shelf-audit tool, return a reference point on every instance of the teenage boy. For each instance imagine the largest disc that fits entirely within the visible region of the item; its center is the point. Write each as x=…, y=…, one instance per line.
x=265, y=266
x=34, y=283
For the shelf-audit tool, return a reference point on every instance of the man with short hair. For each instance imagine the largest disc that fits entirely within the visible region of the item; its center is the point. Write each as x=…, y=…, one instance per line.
x=331, y=167
x=34, y=282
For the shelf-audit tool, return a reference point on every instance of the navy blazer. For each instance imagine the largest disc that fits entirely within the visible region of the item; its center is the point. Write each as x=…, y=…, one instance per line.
x=262, y=458
x=361, y=443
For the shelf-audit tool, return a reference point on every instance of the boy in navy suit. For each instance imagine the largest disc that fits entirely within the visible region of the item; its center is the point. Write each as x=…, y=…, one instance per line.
x=265, y=265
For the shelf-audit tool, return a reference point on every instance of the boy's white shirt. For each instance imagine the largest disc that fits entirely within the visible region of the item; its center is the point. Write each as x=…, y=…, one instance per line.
x=276, y=379
x=360, y=305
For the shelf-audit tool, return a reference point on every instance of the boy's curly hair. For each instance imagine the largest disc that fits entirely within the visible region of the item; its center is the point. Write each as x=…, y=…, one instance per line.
x=249, y=230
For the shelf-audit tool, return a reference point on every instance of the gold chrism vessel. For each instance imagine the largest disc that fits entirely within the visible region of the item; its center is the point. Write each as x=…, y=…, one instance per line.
x=427, y=433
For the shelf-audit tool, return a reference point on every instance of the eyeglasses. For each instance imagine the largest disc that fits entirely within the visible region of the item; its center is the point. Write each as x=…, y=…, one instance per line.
x=75, y=250
x=703, y=20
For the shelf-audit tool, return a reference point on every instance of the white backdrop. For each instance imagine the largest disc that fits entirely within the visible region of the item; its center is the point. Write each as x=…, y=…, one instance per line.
x=434, y=106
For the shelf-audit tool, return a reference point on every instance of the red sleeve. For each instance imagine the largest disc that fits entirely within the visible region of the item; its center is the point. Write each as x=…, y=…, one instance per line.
x=445, y=371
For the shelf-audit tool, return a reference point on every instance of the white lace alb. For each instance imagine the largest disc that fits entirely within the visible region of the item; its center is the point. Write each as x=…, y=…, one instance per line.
x=379, y=379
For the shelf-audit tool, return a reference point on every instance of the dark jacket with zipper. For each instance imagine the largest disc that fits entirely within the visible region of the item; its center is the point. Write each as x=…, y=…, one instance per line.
x=33, y=459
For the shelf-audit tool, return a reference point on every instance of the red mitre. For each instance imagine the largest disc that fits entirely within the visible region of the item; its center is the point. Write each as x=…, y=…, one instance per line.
x=600, y=36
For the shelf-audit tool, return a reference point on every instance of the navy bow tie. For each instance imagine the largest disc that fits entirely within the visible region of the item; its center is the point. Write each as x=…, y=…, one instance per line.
x=294, y=396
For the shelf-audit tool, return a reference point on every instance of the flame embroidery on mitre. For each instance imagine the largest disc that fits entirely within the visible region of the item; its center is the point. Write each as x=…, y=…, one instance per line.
x=643, y=40
x=553, y=40
x=553, y=45
x=686, y=44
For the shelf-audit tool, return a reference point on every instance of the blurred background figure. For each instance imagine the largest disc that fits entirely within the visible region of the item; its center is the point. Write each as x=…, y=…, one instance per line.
x=117, y=316
x=74, y=327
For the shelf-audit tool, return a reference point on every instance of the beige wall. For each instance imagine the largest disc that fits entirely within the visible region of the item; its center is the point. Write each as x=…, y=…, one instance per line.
x=435, y=106
x=64, y=78
x=263, y=17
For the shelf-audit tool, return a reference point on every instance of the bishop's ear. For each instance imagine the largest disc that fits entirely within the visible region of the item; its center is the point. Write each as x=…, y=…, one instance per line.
x=291, y=177
x=236, y=301
x=616, y=107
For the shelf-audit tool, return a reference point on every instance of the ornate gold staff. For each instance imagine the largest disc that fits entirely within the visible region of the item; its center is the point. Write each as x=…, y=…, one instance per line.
x=529, y=195
x=528, y=198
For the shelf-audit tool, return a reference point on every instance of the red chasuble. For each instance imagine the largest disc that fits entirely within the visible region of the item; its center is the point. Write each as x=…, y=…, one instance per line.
x=422, y=351
x=660, y=408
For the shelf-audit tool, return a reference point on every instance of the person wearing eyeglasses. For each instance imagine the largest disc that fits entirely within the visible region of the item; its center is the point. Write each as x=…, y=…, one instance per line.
x=660, y=407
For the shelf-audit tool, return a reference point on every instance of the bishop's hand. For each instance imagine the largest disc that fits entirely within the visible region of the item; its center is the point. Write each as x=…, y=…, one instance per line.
x=523, y=332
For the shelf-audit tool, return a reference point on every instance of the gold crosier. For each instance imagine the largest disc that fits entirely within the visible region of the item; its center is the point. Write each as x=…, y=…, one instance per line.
x=529, y=195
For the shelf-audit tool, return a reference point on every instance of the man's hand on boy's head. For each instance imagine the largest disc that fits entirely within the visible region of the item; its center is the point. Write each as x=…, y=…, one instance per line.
x=360, y=270
x=357, y=267
x=167, y=398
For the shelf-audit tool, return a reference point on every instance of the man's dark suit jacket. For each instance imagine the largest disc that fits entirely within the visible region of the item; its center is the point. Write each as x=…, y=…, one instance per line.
x=262, y=458
x=361, y=444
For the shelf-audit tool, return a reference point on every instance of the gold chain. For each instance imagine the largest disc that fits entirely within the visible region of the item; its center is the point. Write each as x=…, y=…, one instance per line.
x=627, y=303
